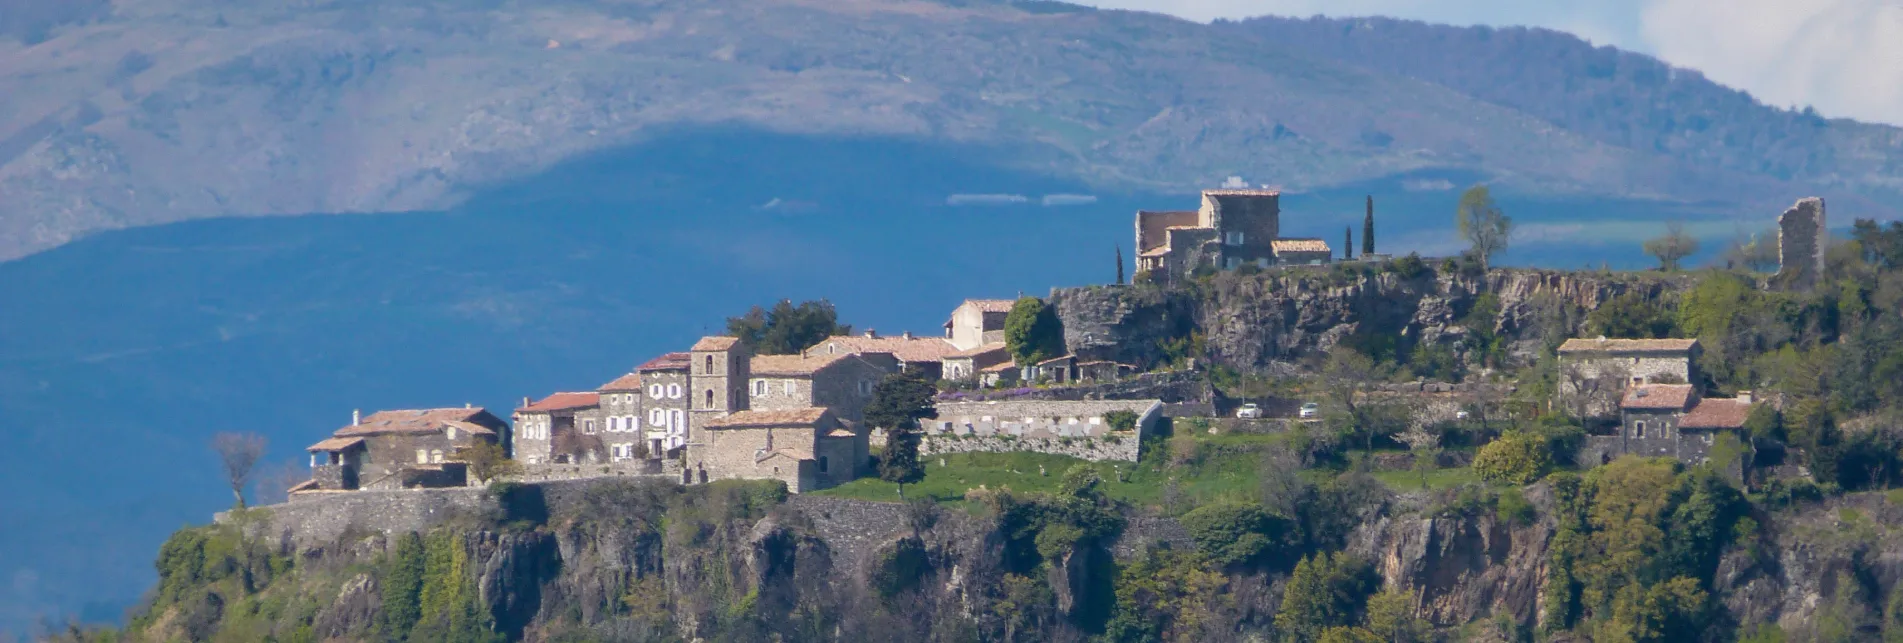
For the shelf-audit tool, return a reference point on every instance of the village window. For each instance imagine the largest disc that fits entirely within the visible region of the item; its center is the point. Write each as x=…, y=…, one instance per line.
x=436, y=455
x=822, y=464
x=422, y=456
x=1638, y=430
x=1231, y=263
x=673, y=391
x=788, y=385
x=1096, y=420
x=710, y=365
x=759, y=388
x=710, y=399
x=588, y=426
x=656, y=391
x=657, y=417
x=1235, y=238
x=865, y=387
x=452, y=433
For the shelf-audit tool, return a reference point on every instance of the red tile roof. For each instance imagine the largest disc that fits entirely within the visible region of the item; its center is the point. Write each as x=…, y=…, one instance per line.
x=841, y=433
x=765, y=419
x=1659, y=397
x=715, y=343
x=1602, y=345
x=563, y=402
x=981, y=350
x=667, y=362
x=334, y=444
x=409, y=421
x=916, y=349
x=471, y=427
x=1717, y=414
x=629, y=382
x=999, y=367
x=1055, y=360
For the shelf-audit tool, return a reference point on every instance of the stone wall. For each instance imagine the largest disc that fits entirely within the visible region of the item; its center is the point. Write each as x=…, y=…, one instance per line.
x=1801, y=243
x=1125, y=448
x=545, y=472
x=1172, y=387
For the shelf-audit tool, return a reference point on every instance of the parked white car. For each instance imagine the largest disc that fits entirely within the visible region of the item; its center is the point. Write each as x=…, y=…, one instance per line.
x=1249, y=412
x=1310, y=410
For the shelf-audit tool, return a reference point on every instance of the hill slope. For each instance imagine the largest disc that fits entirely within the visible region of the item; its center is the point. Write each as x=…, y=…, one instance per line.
x=150, y=111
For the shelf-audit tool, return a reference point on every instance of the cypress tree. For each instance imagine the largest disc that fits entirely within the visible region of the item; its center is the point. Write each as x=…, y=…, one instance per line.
x=1347, y=243
x=1119, y=264
x=1367, y=229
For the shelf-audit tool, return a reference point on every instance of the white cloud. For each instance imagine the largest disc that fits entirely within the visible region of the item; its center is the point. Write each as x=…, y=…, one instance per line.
x=1844, y=57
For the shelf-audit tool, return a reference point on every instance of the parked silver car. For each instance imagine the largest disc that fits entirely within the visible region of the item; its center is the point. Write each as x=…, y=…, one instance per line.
x=1249, y=412
x=1310, y=410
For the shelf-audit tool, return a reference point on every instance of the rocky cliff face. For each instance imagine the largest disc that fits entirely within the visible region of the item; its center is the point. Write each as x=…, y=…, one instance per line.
x=1257, y=321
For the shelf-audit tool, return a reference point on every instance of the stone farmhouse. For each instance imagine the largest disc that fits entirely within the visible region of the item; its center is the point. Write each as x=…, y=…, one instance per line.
x=1674, y=421
x=401, y=449
x=1232, y=228
x=926, y=353
x=559, y=429
x=967, y=364
x=1600, y=369
x=807, y=448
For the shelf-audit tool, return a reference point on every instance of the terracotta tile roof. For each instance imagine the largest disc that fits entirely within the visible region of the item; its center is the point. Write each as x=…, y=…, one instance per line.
x=629, y=382
x=1241, y=192
x=409, y=421
x=306, y=485
x=916, y=349
x=1299, y=245
x=842, y=433
x=667, y=362
x=764, y=419
x=1580, y=345
x=1717, y=414
x=334, y=444
x=981, y=350
x=999, y=367
x=992, y=305
x=1155, y=252
x=792, y=364
x=1055, y=360
x=1658, y=397
x=563, y=402
x=715, y=343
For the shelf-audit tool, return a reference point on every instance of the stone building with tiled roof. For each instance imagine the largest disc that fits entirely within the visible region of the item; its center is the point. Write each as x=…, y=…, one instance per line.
x=1232, y=228
x=808, y=449
x=401, y=448
x=562, y=428
x=1599, y=368
x=967, y=364
x=926, y=353
x=841, y=382
x=663, y=402
x=977, y=323
x=1674, y=421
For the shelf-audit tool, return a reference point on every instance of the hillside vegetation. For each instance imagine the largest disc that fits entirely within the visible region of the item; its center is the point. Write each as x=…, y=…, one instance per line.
x=146, y=112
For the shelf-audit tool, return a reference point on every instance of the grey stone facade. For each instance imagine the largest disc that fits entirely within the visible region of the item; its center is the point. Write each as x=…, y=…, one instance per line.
x=379, y=449
x=620, y=415
x=1232, y=228
x=842, y=383
x=560, y=428
x=1802, y=237
x=665, y=386
x=1075, y=428
x=978, y=322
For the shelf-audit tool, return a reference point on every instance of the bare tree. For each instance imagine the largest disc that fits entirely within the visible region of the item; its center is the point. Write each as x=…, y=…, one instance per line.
x=239, y=454
x=1424, y=444
x=1483, y=224
x=1591, y=391
x=1348, y=375
x=487, y=461
x=275, y=481
x=1756, y=253
x=1674, y=246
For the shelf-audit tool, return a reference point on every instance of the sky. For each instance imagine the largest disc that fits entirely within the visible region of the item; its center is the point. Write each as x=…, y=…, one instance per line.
x=1842, y=57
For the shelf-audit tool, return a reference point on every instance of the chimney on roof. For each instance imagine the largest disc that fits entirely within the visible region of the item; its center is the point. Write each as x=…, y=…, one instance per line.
x=356, y=417
x=525, y=401
x=906, y=334
x=467, y=405
x=872, y=333
x=1744, y=397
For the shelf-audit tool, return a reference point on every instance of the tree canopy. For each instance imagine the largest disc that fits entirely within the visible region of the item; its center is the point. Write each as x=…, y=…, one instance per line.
x=1032, y=332
x=1482, y=224
x=786, y=328
x=898, y=403
x=1671, y=247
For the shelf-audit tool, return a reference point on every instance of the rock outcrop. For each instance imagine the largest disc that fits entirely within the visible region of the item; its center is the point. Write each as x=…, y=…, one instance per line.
x=1258, y=321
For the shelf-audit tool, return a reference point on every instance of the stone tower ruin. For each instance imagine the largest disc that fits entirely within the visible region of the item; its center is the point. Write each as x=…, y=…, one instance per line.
x=1801, y=239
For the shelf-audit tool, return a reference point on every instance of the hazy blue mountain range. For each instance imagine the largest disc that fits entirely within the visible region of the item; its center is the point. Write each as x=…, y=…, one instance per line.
x=141, y=112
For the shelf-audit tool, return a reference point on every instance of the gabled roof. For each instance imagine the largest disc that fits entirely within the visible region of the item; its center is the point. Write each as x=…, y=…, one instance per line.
x=1299, y=245
x=915, y=349
x=991, y=305
x=715, y=343
x=629, y=382
x=1717, y=414
x=410, y=421
x=331, y=445
x=999, y=367
x=794, y=453
x=306, y=485
x=770, y=419
x=841, y=433
x=793, y=365
x=981, y=350
x=667, y=362
x=563, y=402
x=1057, y=359
x=1659, y=397
x=470, y=427
x=1603, y=345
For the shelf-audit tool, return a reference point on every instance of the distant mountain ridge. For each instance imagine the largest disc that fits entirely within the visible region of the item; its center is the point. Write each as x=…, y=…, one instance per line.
x=162, y=110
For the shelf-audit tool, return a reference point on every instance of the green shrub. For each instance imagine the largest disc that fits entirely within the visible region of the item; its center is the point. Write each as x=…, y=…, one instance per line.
x=1514, y=458
x=1234, y=533
x=1512, y=508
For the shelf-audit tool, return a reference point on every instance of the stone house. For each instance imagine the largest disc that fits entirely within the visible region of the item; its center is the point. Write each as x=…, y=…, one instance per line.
x=1000, y=374
x=926, y=353
x=664, y=401
x=718, y=370
x=621, y=402
x=401, y=448
x=560, y=429
x=808, y=449
x=842, y=382
x=1594, y=373
x=1674, y=421
x=1042, y=418
x=977, y=323
x=1056, y=370
x=966, y=364
x=1233, y=227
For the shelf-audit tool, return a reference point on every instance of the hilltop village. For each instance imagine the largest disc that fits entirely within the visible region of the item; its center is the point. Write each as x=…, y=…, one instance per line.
x=716, y=410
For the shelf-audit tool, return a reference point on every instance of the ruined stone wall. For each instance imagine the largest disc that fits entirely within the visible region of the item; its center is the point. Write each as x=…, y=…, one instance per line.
x=1124, y=448
x=1801, y=240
